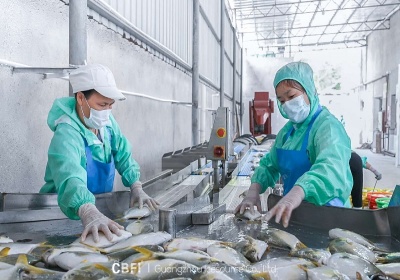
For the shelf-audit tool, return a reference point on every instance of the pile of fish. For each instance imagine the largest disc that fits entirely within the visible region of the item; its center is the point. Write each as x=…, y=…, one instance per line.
x=141, y=253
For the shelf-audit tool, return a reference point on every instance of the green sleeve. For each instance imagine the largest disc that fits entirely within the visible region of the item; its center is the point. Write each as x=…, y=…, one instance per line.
x=267, y=173
x=329, y=177
x=364, y=162
x=127, y=167
x=66, y=167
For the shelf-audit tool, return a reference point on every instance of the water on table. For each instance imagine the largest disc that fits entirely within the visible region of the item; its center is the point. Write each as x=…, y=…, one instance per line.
x=229, y=228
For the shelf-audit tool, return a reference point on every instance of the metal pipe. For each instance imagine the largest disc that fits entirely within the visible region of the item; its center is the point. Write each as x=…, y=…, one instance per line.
x=241, y=93
x=195, y=73
x=77, y=33
x=215, y=192
x=234, y=86
x=222, y=56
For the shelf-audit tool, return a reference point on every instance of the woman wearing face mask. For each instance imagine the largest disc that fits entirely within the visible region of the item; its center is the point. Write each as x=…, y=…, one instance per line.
x=311, y=152
x=86, y=148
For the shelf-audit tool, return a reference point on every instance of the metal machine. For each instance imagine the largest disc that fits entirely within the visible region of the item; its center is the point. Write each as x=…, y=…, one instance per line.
x=193, y=211
x=260, y=110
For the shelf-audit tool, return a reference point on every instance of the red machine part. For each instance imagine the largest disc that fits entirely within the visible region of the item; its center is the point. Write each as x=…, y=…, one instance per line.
x=260, y=111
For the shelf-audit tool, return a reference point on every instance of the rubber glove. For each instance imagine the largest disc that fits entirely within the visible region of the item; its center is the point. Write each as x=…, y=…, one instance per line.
x=251, y=199
x=378, y=175
x=138, y=195
x=283, y=209
x=93, y=221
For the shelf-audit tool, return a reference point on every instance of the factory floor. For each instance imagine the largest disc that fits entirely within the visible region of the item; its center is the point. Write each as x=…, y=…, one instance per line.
x=385, y=165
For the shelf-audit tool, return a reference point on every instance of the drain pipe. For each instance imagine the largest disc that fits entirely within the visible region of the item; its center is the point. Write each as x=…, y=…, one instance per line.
x=195, y=73
x=77, y=33
x=222, y=57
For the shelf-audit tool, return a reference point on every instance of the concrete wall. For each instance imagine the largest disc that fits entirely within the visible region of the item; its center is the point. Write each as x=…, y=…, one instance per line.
x=35, y=33
x=383, y=56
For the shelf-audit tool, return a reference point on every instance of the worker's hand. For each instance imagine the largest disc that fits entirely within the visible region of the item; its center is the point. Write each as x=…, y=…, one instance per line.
x=93, y=221
x=378, y=175
x=138, y=195
x=283, y=209
x=251, y=199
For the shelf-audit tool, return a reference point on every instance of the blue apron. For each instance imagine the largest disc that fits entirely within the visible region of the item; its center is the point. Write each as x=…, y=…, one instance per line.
x=100, y=175
x=293, y=164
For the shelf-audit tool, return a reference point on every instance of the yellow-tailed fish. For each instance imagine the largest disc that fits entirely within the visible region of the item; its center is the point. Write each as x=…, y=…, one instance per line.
x=280, y=238
x=320, y=256
x=353, y=266
x=345, y=245
x=152, y=238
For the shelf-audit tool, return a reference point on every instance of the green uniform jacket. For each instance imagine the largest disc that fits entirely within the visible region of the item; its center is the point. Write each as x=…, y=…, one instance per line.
x=328, y=148
x=66, y=165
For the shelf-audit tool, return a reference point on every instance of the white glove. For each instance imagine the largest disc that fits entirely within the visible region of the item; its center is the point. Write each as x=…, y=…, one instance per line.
x=138, y=195
x=93, y=221
x=283, y=209
x=378, y=175
x=252, y=199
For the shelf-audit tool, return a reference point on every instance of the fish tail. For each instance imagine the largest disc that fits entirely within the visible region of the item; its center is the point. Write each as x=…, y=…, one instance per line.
x=229, y=244
x=358, y=276
x=300, y=245
x=23, y=261
x=261, y=275
x=148, y=254
x=4, y=252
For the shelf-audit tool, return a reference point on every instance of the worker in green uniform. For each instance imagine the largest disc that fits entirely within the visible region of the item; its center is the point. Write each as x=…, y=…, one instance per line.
x=311, y=152
x=86, y=148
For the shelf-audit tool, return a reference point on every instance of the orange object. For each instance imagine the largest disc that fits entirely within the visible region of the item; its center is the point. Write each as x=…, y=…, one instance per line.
x=372, y=196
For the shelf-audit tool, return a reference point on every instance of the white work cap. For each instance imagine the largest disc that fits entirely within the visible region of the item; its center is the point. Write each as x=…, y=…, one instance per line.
x=97, y=77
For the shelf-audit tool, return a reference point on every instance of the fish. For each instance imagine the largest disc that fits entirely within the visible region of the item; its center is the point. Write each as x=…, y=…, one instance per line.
x=18, y=248
x=213, y=275
x=23, y=270
x=12, y=259
x=90, y=271
x=292, y=272
x=247, y=215
x=320, y=256
x=345, y=245
x=49, y=256
x=190, y=243
x=5, y=265
x=280, y=239
x=227, y=255
x=251, y=248
x=137, y=213
x=138, y=227
x=214, y=270
x=390, y=269
x=5, y=239
x=165, y=269
x=152, y=238
x=353, y=266
x=70, y=260
x=389, y=257
x=355, y=237
x=193, y=257
x=324, y=273
x=270, y=264
x=127, y=252
x=103, y=241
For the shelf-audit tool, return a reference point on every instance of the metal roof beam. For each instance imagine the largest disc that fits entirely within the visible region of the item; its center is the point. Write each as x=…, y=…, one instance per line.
x=308, y=35
x=263, y=16
x=315, y=26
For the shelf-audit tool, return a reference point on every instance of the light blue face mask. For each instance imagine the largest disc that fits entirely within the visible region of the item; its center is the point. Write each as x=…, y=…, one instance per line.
x=97, y=119
x=296, y=109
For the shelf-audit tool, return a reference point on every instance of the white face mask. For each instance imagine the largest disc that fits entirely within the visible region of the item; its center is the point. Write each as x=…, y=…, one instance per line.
x=97, y=119
x=296, y=109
